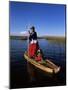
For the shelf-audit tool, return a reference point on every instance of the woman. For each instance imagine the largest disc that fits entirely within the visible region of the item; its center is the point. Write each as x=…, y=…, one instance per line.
x=33, y=43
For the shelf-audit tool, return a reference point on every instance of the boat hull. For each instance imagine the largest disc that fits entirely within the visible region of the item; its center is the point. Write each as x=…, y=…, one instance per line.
x=50, y=67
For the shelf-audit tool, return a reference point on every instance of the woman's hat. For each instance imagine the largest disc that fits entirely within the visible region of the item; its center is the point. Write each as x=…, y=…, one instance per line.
x=32, y=27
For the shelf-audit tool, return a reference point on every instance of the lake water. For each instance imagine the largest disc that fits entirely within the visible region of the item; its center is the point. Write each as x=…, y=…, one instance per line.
x=18, y=65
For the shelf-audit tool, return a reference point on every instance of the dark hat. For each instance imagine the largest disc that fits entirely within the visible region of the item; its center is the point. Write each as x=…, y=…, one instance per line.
x=32, y=27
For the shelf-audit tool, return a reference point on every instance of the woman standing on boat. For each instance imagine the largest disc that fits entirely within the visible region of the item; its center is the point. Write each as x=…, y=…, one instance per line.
x=33, y=43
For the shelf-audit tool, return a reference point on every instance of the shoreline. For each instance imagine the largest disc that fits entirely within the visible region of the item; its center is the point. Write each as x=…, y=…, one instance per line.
x=40, y=37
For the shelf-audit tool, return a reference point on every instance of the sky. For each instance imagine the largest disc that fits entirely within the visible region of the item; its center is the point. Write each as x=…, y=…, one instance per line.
x=48, y=19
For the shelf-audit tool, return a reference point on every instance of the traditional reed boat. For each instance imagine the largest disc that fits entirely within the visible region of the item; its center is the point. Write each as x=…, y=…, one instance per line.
x=46, y=66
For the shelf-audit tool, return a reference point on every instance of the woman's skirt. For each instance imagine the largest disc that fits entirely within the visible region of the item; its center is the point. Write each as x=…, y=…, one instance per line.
x=32, y=49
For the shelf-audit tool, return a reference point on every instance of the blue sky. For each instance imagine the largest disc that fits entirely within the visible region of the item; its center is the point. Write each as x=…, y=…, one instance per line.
x=48, y=19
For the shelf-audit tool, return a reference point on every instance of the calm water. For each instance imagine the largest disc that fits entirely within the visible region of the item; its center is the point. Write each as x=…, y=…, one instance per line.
x=18, y=65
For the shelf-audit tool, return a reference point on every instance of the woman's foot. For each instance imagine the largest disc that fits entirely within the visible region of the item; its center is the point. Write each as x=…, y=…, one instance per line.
x=57, y=69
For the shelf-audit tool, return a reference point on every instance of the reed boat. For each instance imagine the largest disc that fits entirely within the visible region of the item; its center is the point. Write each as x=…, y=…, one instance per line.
x=47, y=66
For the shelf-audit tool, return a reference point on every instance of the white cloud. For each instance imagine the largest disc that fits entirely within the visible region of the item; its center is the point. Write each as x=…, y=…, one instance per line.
x=23, y=32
